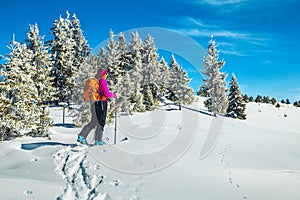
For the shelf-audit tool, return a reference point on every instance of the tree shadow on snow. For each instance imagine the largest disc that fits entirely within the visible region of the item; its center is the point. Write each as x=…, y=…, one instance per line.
x=199, y=111
x=66, y=125
x=32, y=146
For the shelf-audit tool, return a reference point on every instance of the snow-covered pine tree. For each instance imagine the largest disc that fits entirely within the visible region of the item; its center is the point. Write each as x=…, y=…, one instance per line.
x=18, y=102
x=5, y=104
x=216, y=84
x=42, y=62
x=174, y=68
x=164, y=77
x=251, y=99
x=236, y=107
x=258, y=99
x=149, y=101
x=82, y=48
x=115, y=71
x=6, y=129
x=135, y=48
x=82, y=51
x=179, y=89
x=278, y=106
x=113, y=63
x=150, y=73
x=135, y=45
x=101, y=57
x=41, y=76
x=125, y=86
x=150, y=67
x=124, y=94
x=81, y=111
x=203, y=91
x=125, y=55
x=88, y=66
x=246, y=98
x=297, y=103
x=122, y=46
x=63, y=56
x=273, y=101
x=266, y=99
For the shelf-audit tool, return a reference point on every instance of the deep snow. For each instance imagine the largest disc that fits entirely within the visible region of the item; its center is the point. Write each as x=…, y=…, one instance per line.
x=163, y=159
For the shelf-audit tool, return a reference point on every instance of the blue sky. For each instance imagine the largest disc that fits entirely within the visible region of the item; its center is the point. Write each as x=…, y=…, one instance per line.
x=259, y=40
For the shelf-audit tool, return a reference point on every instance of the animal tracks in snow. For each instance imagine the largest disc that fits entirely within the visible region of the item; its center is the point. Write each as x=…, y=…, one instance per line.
x=226, y=162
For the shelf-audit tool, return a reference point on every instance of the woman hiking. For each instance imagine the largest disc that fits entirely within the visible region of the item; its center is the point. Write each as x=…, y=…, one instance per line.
x=98, y=110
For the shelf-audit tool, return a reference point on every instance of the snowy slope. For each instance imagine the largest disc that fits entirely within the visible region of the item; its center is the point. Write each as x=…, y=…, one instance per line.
x=163, y=159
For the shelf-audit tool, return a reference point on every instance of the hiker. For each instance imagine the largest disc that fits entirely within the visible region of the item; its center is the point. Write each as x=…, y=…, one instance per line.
x=98, y=110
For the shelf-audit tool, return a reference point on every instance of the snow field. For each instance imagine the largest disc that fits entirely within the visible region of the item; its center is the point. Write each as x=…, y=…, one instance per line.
x=257, y=158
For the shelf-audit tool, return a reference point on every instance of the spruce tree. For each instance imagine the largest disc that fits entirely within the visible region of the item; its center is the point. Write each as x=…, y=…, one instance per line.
x=258, y=99
x=113, y=62
x=101, y=63
x=88, y=66
x=266, y=99
x=217, y=102
x=297, y=103
x=179, y=89
x=149, y=71
x=149, y=101
x=150, y=63
x=125, y=56
x=203, y=91
x=273, y=101
x=278, y=106
x=251, y=99
x=245, y=98
x=41, y=76
x=82, y=49
x=81, y=59
x=124, y=94
x=236, y=107
x=63, y=55
x=135, y=49
x=18, y=102
x=115, y=71
x=81, y=112
x=164, y=77
x=6, y=130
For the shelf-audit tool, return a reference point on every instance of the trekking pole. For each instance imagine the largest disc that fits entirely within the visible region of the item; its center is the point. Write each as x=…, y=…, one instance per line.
x=116, y=106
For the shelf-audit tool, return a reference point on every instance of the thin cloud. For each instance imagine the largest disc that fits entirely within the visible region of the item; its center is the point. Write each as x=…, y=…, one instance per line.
x=198, y=22
x=222, y=2
x=226, y=44
x=232, y=52
x=199, y=28
x=240, y=42
x=218, y=33
x=229, y=49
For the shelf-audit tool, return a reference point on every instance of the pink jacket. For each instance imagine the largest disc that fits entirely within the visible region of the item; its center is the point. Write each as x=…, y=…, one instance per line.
x=103, y=90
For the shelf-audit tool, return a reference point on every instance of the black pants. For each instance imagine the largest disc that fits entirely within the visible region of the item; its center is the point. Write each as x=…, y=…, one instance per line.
x=98, y=110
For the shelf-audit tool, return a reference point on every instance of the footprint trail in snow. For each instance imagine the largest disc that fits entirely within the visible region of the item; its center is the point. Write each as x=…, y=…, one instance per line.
x=81, y=178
